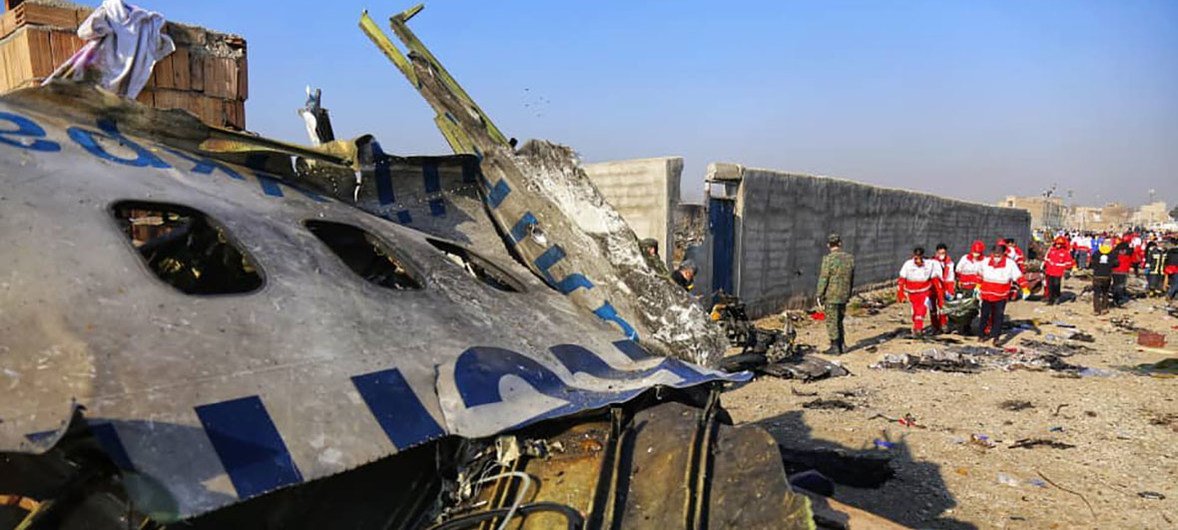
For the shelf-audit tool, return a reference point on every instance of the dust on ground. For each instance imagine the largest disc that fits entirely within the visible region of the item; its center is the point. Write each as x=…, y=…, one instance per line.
x=1124, y=426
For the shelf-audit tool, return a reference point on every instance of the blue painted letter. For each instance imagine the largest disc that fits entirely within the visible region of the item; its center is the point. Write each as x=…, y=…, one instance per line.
x=26, y=135
x=88, y=139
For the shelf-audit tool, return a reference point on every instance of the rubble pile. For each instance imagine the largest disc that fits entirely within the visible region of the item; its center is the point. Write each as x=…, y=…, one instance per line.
x=973, y=359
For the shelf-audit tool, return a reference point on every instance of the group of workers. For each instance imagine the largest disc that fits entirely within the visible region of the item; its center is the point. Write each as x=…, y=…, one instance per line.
x=684, y=273
x=1112, y=258
x=995, y=278
x=927, y=282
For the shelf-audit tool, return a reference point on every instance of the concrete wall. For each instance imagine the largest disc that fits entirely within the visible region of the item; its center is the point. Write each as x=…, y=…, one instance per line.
x=783, y=220
x=645, y=192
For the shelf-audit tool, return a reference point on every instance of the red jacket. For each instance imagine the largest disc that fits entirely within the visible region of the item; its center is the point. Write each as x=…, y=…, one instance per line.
x=998, y=276
x=949, y=277
x=1018, y=256
x=1124, y=256
x=1058, y=261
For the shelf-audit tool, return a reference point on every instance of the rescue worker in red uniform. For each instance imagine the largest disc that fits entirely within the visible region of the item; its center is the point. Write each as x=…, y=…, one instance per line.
x=1056, y=263
x=999, y=274
x=919, y=283
x=1123, y=266
x=1138, y=254
x=1015, y=253
x=969, y=269
x=948, y=286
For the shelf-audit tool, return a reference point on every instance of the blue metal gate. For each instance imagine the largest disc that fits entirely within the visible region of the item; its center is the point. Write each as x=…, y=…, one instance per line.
x=722, y=224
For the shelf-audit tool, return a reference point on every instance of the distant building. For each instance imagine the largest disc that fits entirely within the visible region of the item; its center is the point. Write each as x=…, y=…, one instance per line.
x=1115, y=215
x=1085, y=218
x=1151, y=214
x=1046, y=212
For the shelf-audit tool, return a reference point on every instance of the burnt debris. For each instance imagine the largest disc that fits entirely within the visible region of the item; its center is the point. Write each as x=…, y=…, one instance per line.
x=186, y=249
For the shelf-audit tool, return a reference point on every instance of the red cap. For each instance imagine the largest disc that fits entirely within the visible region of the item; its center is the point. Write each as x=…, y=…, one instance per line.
x=978, y=247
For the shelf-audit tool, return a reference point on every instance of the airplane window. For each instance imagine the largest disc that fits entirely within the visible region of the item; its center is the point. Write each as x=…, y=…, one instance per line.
x=478, y=267
x=187, y=249
x=365, y=254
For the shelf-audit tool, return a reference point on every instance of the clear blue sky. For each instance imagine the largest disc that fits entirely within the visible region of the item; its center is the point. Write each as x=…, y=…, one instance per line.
x=968, y=99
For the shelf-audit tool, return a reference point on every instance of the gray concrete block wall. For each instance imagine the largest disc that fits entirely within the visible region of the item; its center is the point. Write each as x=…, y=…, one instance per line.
x=646, y=193
x=783, y=220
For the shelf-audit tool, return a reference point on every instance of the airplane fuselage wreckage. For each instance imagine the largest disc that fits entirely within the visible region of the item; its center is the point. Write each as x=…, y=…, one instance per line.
x=201, y=328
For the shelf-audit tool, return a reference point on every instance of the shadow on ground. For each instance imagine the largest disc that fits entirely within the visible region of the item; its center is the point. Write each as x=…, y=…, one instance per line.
x=888, y=482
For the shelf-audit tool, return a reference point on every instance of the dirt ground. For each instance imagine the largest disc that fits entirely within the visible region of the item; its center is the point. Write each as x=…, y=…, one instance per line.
x=1124, y=427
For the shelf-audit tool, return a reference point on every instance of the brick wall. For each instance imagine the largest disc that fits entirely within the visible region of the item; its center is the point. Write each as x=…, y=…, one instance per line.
x=207, y=75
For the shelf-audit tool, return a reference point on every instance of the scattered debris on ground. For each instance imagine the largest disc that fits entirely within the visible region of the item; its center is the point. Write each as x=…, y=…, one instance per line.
x=829, y=404
x=1150, y=339
x=981, y=440
x=973, y=359
x=1124, y=323
x=805, y=368
x=1066, y=349
x=908, y=420
x=1029, y=443
x=1016, y=405
x=978, y=412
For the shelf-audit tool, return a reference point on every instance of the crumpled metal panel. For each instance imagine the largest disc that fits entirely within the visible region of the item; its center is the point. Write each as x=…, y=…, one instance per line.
x=555, y=220
x=207, y=400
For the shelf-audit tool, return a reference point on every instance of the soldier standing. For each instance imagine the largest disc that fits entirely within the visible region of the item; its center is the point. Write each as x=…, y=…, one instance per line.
x=834, y=290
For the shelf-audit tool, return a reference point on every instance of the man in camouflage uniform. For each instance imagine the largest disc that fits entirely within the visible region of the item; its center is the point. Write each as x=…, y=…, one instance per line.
x=650, y=252
x=834, y=290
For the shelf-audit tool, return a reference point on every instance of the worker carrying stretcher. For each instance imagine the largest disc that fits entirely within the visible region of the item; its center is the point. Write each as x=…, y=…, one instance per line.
x=969, y=269
x=999, y=274
x=920, y=281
